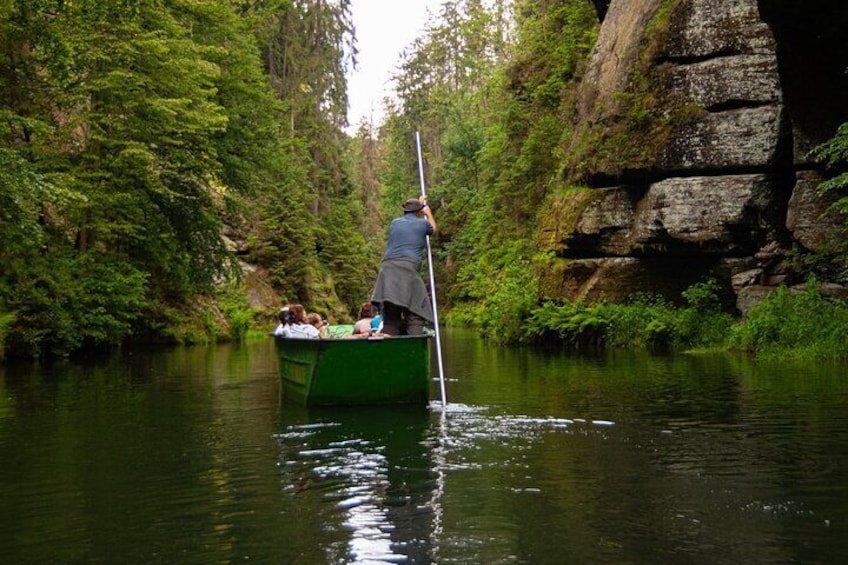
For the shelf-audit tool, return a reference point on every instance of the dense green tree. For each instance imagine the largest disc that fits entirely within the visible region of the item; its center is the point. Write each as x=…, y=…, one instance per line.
x=124, y=107
x=308, y=49
x=132, y=131
x=367, y=165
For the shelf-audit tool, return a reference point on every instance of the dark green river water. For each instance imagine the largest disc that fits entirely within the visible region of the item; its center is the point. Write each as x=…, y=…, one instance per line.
x=188, y=456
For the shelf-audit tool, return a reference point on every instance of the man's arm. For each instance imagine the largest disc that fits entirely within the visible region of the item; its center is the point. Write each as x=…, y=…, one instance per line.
x=427, y=212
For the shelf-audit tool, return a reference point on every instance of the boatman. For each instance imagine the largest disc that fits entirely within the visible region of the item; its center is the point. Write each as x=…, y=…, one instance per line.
x=399, y=288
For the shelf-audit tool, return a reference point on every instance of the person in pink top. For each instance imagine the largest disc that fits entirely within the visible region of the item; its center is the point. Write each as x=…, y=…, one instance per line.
x=362, y=327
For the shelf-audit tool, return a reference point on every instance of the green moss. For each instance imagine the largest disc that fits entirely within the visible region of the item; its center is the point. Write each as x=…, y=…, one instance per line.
x=560, y=215
x=551, y=276
x=658, y=29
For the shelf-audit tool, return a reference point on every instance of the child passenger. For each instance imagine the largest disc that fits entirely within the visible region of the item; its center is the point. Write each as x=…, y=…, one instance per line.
x=319, y=323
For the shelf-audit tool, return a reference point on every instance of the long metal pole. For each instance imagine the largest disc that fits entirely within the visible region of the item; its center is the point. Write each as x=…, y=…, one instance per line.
x=432, y=281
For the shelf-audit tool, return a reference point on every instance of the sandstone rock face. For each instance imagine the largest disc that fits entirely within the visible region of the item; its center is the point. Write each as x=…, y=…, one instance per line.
x=718, y=27
x=751, y=295
x=808, y=218
x=710, y=89
x=260, y=294
x=616, y=49
x=616, y=278
x=709, y=215
x=744, y=79
x=601, y=223
x=744, y=138
x=683, y=134
x=721, y=59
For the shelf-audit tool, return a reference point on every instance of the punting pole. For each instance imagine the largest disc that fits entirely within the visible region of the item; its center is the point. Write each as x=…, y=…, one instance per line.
x=432, y=281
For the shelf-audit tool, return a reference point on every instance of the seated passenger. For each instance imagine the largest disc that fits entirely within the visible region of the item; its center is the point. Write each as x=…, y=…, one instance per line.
x=377, y=322
x=319, y=323
x=362, y=327
x=284, y=315
x=293, y=323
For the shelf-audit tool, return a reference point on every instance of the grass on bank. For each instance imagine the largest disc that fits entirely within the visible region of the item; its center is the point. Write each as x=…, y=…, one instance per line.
x=794, y=325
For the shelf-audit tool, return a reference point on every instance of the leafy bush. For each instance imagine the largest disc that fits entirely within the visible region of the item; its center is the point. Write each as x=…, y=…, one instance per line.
x=645, y=321
x=829, y=263
x=702, y=323
x=658, y=336
x=787, y=324
x=578, y=324
x=637, y=322
x=833, y=154
x=502, y=291
x=237, y=310
x=64, y=303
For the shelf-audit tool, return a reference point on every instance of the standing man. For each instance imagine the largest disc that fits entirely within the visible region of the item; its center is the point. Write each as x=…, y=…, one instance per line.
x=399, y=286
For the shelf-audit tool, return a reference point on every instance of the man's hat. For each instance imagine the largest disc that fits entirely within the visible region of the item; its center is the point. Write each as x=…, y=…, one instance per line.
x=412, y=205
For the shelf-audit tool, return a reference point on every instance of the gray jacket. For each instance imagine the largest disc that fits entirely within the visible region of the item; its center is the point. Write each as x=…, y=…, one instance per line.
x=400, y=283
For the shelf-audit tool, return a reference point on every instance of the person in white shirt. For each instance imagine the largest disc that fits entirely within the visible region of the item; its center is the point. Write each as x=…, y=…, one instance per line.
x=293, y=323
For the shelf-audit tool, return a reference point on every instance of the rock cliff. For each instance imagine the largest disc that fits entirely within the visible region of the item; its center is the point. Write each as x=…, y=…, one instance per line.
x=692, y=125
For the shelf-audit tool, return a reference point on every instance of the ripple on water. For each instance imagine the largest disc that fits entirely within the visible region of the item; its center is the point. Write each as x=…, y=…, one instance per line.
x=352, y=472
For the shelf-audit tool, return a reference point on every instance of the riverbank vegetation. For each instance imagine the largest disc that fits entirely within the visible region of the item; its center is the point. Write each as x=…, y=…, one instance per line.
x=795, y=324
x=799, y=324
x=644, y=322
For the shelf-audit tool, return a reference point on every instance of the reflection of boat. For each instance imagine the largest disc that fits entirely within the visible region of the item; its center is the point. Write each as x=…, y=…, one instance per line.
x=352, y=371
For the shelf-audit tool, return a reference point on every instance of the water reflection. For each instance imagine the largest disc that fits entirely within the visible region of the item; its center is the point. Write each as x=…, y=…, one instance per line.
x=374, y=466
x=487, y=486
x=380, y=478
x=144, y=456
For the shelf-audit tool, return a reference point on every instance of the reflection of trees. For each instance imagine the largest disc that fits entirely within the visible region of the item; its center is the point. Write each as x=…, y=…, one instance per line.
x=141, y=456
x=138, y=455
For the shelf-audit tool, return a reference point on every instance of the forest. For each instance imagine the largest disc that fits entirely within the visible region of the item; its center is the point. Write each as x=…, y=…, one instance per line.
x=164, y=161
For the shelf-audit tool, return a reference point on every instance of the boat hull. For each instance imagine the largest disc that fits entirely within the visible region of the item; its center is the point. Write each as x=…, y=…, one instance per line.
x=333, y=372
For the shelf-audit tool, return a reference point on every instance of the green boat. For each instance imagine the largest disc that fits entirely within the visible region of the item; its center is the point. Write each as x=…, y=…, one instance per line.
x=355, y=371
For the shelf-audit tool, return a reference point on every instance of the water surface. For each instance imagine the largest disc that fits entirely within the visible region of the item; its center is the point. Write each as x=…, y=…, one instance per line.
x=188, y=455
